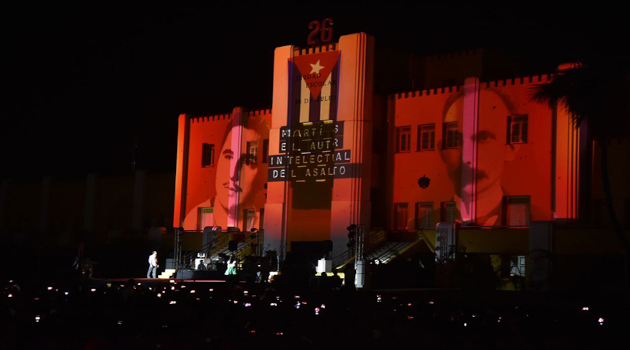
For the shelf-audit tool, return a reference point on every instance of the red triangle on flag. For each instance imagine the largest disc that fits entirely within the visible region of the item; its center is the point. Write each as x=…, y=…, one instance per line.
x=316, y=68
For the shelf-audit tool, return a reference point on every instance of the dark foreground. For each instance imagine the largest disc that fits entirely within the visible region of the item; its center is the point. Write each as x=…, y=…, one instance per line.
x=146, y=314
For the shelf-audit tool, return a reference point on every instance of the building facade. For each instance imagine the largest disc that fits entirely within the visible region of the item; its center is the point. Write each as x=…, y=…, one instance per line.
x=331, y=153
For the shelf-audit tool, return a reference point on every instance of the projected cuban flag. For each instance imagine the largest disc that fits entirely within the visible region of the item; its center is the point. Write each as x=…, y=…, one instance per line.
x=313, y=81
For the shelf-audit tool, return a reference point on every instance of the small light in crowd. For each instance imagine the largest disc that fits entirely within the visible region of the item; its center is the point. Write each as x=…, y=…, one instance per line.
x=323, y=306
x=296, y=297
x=119, y=322
x=379, y=299
x=235, y=302
x=212, y=290
x=248, y=304
x=173, y=288
x=253, y=331
x=409, y=304
x=139, y=283
x=410, y=317
x=601, y=321
x=10, y=295
x=150, y=288
x=297, y=305
x=159, y=295
x=585, y=308
x=431, y=303
x=10, y=281
x=474, y=316
x=198, y=299
x=50, y=288
x=279, y=333
x=394, y=298
x=56, y=290
x=277, y=297
x=122, y=286
x=245, y=292
x=183, y=286
x=173, y=302
x=172, y=281
x=317, y=311
x=164, y=325
x=66, y=293
x=303, y=303
x=93, y=290
x=36, y=298
x=465, y=324
x=37, y=318
x=273, y=304
x=192, y=291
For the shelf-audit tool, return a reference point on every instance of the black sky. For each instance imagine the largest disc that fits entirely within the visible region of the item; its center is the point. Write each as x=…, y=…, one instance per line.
x=83, y=84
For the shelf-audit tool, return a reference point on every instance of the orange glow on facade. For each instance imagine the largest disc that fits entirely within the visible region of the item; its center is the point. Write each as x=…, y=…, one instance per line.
x=309, y=168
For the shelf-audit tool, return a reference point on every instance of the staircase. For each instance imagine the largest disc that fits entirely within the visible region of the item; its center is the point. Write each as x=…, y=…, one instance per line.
x=382, y=251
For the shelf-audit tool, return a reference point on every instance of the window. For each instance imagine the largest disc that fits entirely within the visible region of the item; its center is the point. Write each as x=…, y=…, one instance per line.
x=400, y=216
x=252, y=152
x=424, y=214
x=205, y=217
x=250, y=218
x=517, y=129
x=265, y=151
x=426, y=137
x=207, y=155
x=516, y=211
x=403, y=139
x=517, y=265
x=448, y=212
x=450, y=135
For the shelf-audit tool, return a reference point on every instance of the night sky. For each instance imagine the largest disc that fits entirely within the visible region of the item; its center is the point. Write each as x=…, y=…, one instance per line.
x=83, y=85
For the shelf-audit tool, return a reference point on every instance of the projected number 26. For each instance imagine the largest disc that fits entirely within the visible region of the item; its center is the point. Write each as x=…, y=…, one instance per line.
x=321, y=32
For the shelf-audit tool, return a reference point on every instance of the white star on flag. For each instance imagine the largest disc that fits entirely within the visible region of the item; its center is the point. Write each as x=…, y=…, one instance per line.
x=315, y=68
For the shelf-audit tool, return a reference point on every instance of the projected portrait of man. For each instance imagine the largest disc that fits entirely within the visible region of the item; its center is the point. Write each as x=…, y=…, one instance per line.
x=239, y=182
x=492, y=154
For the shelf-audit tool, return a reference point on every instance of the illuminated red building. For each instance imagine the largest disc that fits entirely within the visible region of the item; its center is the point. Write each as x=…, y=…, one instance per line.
x=332, y=153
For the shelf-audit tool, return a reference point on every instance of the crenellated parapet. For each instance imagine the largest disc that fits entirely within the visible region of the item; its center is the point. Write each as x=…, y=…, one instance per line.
x=210, y=118
x=297, y=51
x=423, y=93
x=537, y=79
x=228, y=116
x=260, y=112
x=542, y=78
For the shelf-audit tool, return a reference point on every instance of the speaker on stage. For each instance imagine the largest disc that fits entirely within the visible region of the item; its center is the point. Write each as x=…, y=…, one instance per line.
x=233, y=246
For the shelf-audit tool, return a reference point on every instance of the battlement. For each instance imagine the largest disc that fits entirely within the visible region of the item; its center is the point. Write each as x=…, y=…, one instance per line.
x=516, y=81
x=208, y=118
x=218, y=117
x=428, y=92
x=315, y=49
x=261, y=112
x=484, y=85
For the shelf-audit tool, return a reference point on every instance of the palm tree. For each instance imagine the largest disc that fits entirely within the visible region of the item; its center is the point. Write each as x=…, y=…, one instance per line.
x=595, y=95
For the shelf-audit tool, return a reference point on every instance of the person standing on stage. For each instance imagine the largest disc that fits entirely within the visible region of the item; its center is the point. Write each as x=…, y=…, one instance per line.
x=231, y=266
x=153, y=265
